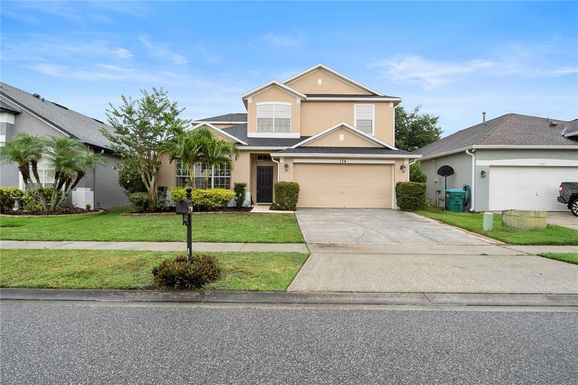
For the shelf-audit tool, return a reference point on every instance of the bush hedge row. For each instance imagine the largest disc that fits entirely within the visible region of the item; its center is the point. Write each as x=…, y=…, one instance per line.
x=286, y=196
x=410, y=196
x=205, y=199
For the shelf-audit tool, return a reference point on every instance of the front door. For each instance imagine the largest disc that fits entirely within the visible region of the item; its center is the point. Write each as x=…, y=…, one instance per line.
x=264, y=184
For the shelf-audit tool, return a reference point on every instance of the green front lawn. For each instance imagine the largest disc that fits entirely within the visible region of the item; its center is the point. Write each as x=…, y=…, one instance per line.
x=564, y=257
x=552, y=235
x=112, y=226
x=112, y=269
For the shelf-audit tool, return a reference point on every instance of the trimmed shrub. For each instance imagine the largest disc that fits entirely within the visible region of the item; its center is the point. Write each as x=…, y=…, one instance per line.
x=410, y=196
x=211, y=199
x=162, y=197
x=204, y=199
x=240, y=193
x=286, y=195
x=7, y=197
x=141, y=202
x=179, y=273
x=178, y=194
x=31, y=201
x=129, y=178
x=416, y=174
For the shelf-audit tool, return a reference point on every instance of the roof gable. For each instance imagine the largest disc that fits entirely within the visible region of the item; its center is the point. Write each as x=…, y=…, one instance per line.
x=222, y=134
x=281, y=86
x=372, y=141
x=305, y=79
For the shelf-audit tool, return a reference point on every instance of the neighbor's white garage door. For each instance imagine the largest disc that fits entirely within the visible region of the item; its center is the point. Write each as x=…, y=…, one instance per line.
x=528, y=188
x=344, y=185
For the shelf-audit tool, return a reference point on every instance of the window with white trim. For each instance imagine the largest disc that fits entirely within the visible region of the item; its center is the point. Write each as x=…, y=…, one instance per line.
x=219, y=176
x=364, y=117
x=273, y=117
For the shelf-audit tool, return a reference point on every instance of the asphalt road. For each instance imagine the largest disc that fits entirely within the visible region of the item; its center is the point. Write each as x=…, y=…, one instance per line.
x=80, y=343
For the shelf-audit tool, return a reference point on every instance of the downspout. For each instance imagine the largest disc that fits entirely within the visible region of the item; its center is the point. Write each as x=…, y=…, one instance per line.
x=472, y=153
x=278, y=163
x=278, y=166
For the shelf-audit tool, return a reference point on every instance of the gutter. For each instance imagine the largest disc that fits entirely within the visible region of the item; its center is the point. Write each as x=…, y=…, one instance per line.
x=473, y=197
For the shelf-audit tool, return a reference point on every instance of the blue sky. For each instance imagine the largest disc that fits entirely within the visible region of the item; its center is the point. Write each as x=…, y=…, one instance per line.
x=454, y=59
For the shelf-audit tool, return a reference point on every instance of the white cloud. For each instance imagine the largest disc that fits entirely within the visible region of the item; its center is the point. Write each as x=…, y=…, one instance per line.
x=429, y=73
x=163, y=51
x=30, y=47
x=284, y=40
x=537, y=61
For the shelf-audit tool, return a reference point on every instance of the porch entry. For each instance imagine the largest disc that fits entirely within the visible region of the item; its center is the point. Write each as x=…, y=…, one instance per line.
x=264, y=184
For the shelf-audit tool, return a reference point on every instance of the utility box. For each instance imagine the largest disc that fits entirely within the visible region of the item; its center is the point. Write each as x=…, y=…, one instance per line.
x=455, y=200
x=83, y=196
x=524, y=220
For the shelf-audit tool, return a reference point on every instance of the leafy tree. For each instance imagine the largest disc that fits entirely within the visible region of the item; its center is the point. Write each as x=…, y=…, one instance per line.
x=414, y=130
x=202, y=146
x=129, y=177
x=71, y=160
x=26, y=151
x=416, y=174
x=142, y=129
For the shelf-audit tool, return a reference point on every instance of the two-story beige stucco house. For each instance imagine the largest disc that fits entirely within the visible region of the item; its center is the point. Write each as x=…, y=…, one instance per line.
x=331, y=134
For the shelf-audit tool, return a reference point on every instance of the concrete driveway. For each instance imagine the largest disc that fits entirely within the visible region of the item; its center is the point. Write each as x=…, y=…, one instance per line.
x=563, y=218
x=373, y=250
x=377, y=226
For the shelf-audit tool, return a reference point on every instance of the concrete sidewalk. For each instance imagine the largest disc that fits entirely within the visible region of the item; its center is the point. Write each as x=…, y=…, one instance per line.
x=156, y=246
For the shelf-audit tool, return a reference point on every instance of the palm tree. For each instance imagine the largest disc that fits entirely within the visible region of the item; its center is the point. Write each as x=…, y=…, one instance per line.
x=25, y=150
x=71, y=160
x=201, y=146
x=218, y=153
x=188, y=147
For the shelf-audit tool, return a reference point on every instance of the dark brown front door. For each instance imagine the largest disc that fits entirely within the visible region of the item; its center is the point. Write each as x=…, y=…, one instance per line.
x=264, y=184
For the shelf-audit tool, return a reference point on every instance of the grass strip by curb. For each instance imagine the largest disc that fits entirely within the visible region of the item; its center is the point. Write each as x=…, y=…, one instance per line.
x=551, y=235
x=564, y=257
x=114, y=269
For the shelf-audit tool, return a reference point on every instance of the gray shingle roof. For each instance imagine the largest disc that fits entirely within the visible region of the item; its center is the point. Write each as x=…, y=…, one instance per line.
x=233, y=117
x=571, y=129
x=240, y=131
x=509, y=129
x=77, y=125
x=344, y=150
x=6, y=106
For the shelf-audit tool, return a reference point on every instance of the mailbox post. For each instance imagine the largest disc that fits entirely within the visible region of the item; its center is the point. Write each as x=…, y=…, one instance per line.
x=186, y=208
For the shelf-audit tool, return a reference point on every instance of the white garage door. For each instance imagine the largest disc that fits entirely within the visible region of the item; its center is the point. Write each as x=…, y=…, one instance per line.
x=344, y=185
x=528, y=188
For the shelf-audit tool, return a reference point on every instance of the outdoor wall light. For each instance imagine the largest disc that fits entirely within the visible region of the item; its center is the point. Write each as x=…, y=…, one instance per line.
x=402, y=168
x=483, y=173
x=286, y=167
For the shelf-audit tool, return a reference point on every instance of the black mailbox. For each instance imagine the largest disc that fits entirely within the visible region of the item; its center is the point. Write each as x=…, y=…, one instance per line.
x=183, y=207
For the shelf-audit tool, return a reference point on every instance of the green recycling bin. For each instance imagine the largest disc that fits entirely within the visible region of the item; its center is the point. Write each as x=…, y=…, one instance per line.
x=455, y=200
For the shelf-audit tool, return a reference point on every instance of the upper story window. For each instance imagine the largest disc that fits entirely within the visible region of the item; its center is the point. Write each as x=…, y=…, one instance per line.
x=274, y=117
x=365, y=118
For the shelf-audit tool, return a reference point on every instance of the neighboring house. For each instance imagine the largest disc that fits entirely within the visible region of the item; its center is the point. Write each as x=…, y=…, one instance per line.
x=332, y=135
x=511, y=162
x=21, y=112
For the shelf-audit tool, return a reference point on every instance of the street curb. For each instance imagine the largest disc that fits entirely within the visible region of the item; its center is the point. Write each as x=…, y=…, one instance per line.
x=295, y=298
